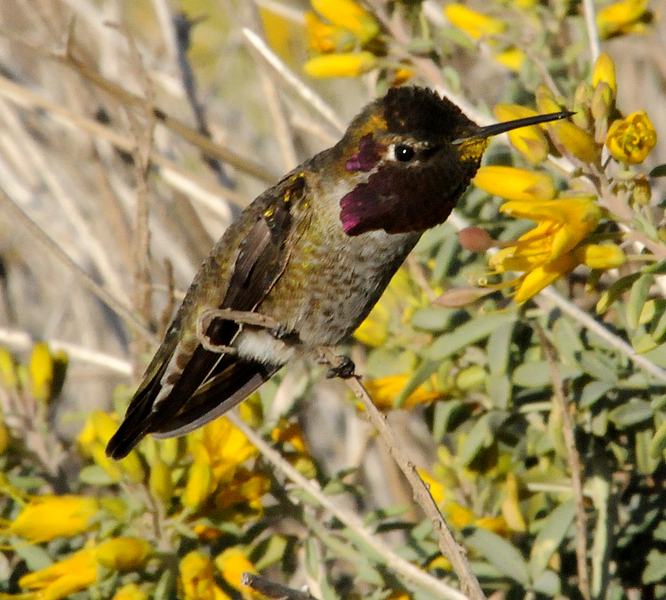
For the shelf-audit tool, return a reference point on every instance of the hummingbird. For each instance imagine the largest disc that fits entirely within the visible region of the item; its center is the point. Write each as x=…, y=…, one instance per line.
x=313, y=253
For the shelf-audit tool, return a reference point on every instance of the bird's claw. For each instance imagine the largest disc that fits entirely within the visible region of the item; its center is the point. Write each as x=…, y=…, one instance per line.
x=280, y=332
x=345, y=370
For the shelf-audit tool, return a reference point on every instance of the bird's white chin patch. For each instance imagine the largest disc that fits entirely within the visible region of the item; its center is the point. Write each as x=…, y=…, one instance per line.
x=262, y=346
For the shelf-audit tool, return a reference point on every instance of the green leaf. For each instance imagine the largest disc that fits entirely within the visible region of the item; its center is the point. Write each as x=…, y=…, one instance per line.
x=499, y=348
x=467, y=334
x=658, y=171
x=655, y=572
x=269, y=551
x=95, y=475
x=637, y=299
x=420, y=376
x=481, y=436
x=432, y=318
x=615, y=291
x=599, y=366
x=658, y=443
x=630, y=413
x=443, y=415
x=499, y=390
x=550, y=537
x=35, y=557
x=593, y=391
x=537, y=374
x=500, y=553
x=312, y=561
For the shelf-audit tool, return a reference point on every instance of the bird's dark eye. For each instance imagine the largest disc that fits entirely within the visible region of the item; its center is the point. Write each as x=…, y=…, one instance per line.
x=404, y=153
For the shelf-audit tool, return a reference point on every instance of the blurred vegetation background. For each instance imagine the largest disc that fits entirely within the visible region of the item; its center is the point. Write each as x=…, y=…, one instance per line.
x=539, y=427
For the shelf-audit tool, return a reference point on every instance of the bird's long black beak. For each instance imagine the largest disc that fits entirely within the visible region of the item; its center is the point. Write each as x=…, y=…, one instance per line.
x=497, y=128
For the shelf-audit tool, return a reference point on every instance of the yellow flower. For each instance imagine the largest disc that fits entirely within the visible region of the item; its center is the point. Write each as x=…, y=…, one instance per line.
x=630, y=140
x=473, y=23
x=131, y=591
x=384, y=391
x=531, y=142
x=512, y=58
x=196, y=579
x=49, y=517
x=223, y=446
x=160, y=482
x=123, y=553
x=291, y=433
x=515, y=184
x=350, y=16
x=232, y=563
x=549, y=251
x=340, y=65
x=325, y=38
x=622, y=17
x=63, y=578
x=245, y=492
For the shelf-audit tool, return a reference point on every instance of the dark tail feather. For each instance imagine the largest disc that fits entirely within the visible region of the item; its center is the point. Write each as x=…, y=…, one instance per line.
x=219, y=395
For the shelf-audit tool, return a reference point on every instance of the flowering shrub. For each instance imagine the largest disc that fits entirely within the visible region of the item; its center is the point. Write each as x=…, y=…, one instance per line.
x=521, y=363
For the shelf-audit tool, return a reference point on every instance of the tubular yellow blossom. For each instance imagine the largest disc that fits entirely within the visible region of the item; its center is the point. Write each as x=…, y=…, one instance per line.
x=549, y=251
x=224, y=446
x=621, y=17
x=384, y=391
x=123, y=553
x=564, y=223
x=63, y=578
x=246, y=491
x=340, y=65
x=349, y=15
x=531, y=142
x=604, y=71
x=325, y=38
x=196, y=579
x=105, y=426
x=49, y=517
x=515, y=184
x=472, y=23
x=630, y=140
x=232, y=563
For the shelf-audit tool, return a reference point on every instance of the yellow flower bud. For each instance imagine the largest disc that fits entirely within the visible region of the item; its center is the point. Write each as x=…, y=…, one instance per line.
x=196, y=580
x=604, y=71
x=160, y=482
x=515, y=184
x=472, y=23
x=8, y=375
x=602, y=102
x=531, y=142
x=171, y=449
x=49, y=517
x=133, y=467
x=608, y=256
x=200, y=485
x=349, y=15
x=340, y=65
x=41, y=372
x=123, y=553
x=642, y=192
x=630, y=140
x=131, y=591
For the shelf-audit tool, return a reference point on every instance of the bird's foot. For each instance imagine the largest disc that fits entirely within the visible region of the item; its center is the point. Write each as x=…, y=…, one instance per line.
x=280, y=332
x=345, y=370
